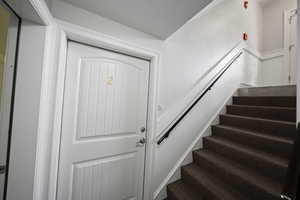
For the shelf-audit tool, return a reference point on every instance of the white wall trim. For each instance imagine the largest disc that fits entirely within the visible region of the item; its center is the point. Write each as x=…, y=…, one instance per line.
x=172, y=112
x=81, y=34
x=273, y=54
x=58, y=107
x=190, y=148
x=257, y=54
x=41, y=176
x=77, y=33
x=263, y=56
x=40, y=186
x=43, y=11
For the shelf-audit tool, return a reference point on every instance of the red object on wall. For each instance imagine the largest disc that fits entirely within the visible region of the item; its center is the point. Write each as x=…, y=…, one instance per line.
x=245, y=36
x=246, y=3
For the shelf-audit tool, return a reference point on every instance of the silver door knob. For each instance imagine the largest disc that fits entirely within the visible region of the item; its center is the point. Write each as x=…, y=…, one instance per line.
x=143, y=129
x=141, y=142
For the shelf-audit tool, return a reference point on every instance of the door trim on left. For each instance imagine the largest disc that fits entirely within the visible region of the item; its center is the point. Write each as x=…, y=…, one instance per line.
x=76, y=33
x=11, y=112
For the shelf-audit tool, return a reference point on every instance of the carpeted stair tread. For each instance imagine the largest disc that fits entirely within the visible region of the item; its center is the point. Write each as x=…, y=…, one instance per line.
x=287, y=90
x=260, y=119
x=268, y=126
x=280, y=101
x=270, y=164
x=207, y=184
x=280, y=145
x=181, y=191
x=256, y=134
x=265, y=112
x=248, y=150
x=244, y=178
x=247, y=155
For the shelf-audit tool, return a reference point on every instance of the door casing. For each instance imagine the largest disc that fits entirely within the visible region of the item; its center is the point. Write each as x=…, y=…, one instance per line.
x=286, y=41
x=69, y=31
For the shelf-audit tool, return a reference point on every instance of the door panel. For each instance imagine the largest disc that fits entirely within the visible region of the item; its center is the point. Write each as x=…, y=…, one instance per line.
x=104, y=108
x=105, y=105
x=111, y=178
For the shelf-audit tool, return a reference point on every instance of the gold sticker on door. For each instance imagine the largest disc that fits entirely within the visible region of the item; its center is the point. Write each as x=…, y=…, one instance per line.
x=109, y=80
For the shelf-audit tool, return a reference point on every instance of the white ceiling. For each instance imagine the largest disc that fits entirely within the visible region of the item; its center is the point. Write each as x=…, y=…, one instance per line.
x=25, y=10
x=160, y=18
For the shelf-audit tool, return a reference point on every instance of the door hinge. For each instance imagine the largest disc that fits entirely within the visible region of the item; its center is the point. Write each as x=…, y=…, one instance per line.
x=293, y=13
x=291, y=47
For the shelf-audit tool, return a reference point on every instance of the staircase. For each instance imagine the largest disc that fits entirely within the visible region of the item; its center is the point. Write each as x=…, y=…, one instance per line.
x=246, y=158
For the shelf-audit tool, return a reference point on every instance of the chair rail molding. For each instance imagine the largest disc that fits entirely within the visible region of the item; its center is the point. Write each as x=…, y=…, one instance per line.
x=267, y=55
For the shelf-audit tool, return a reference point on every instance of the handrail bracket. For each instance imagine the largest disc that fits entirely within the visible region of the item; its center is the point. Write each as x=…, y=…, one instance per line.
x=285, y=197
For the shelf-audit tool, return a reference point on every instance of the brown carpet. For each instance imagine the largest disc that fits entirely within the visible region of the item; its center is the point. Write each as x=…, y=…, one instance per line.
x=246, y=158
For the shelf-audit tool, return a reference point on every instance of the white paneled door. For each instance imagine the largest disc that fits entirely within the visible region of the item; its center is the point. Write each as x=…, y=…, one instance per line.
x=102, y=150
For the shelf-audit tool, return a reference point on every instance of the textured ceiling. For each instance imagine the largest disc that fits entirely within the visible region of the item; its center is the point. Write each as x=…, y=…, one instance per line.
x=160, y=18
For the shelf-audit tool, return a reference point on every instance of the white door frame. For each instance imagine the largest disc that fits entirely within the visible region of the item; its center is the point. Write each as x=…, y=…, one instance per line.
x=79, y=34
x=286, y=34
x=32, y=176
x=287, y=15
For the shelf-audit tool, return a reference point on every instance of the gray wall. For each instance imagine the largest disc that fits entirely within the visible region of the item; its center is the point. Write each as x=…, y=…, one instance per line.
x=26, y=112
x=273, y=22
